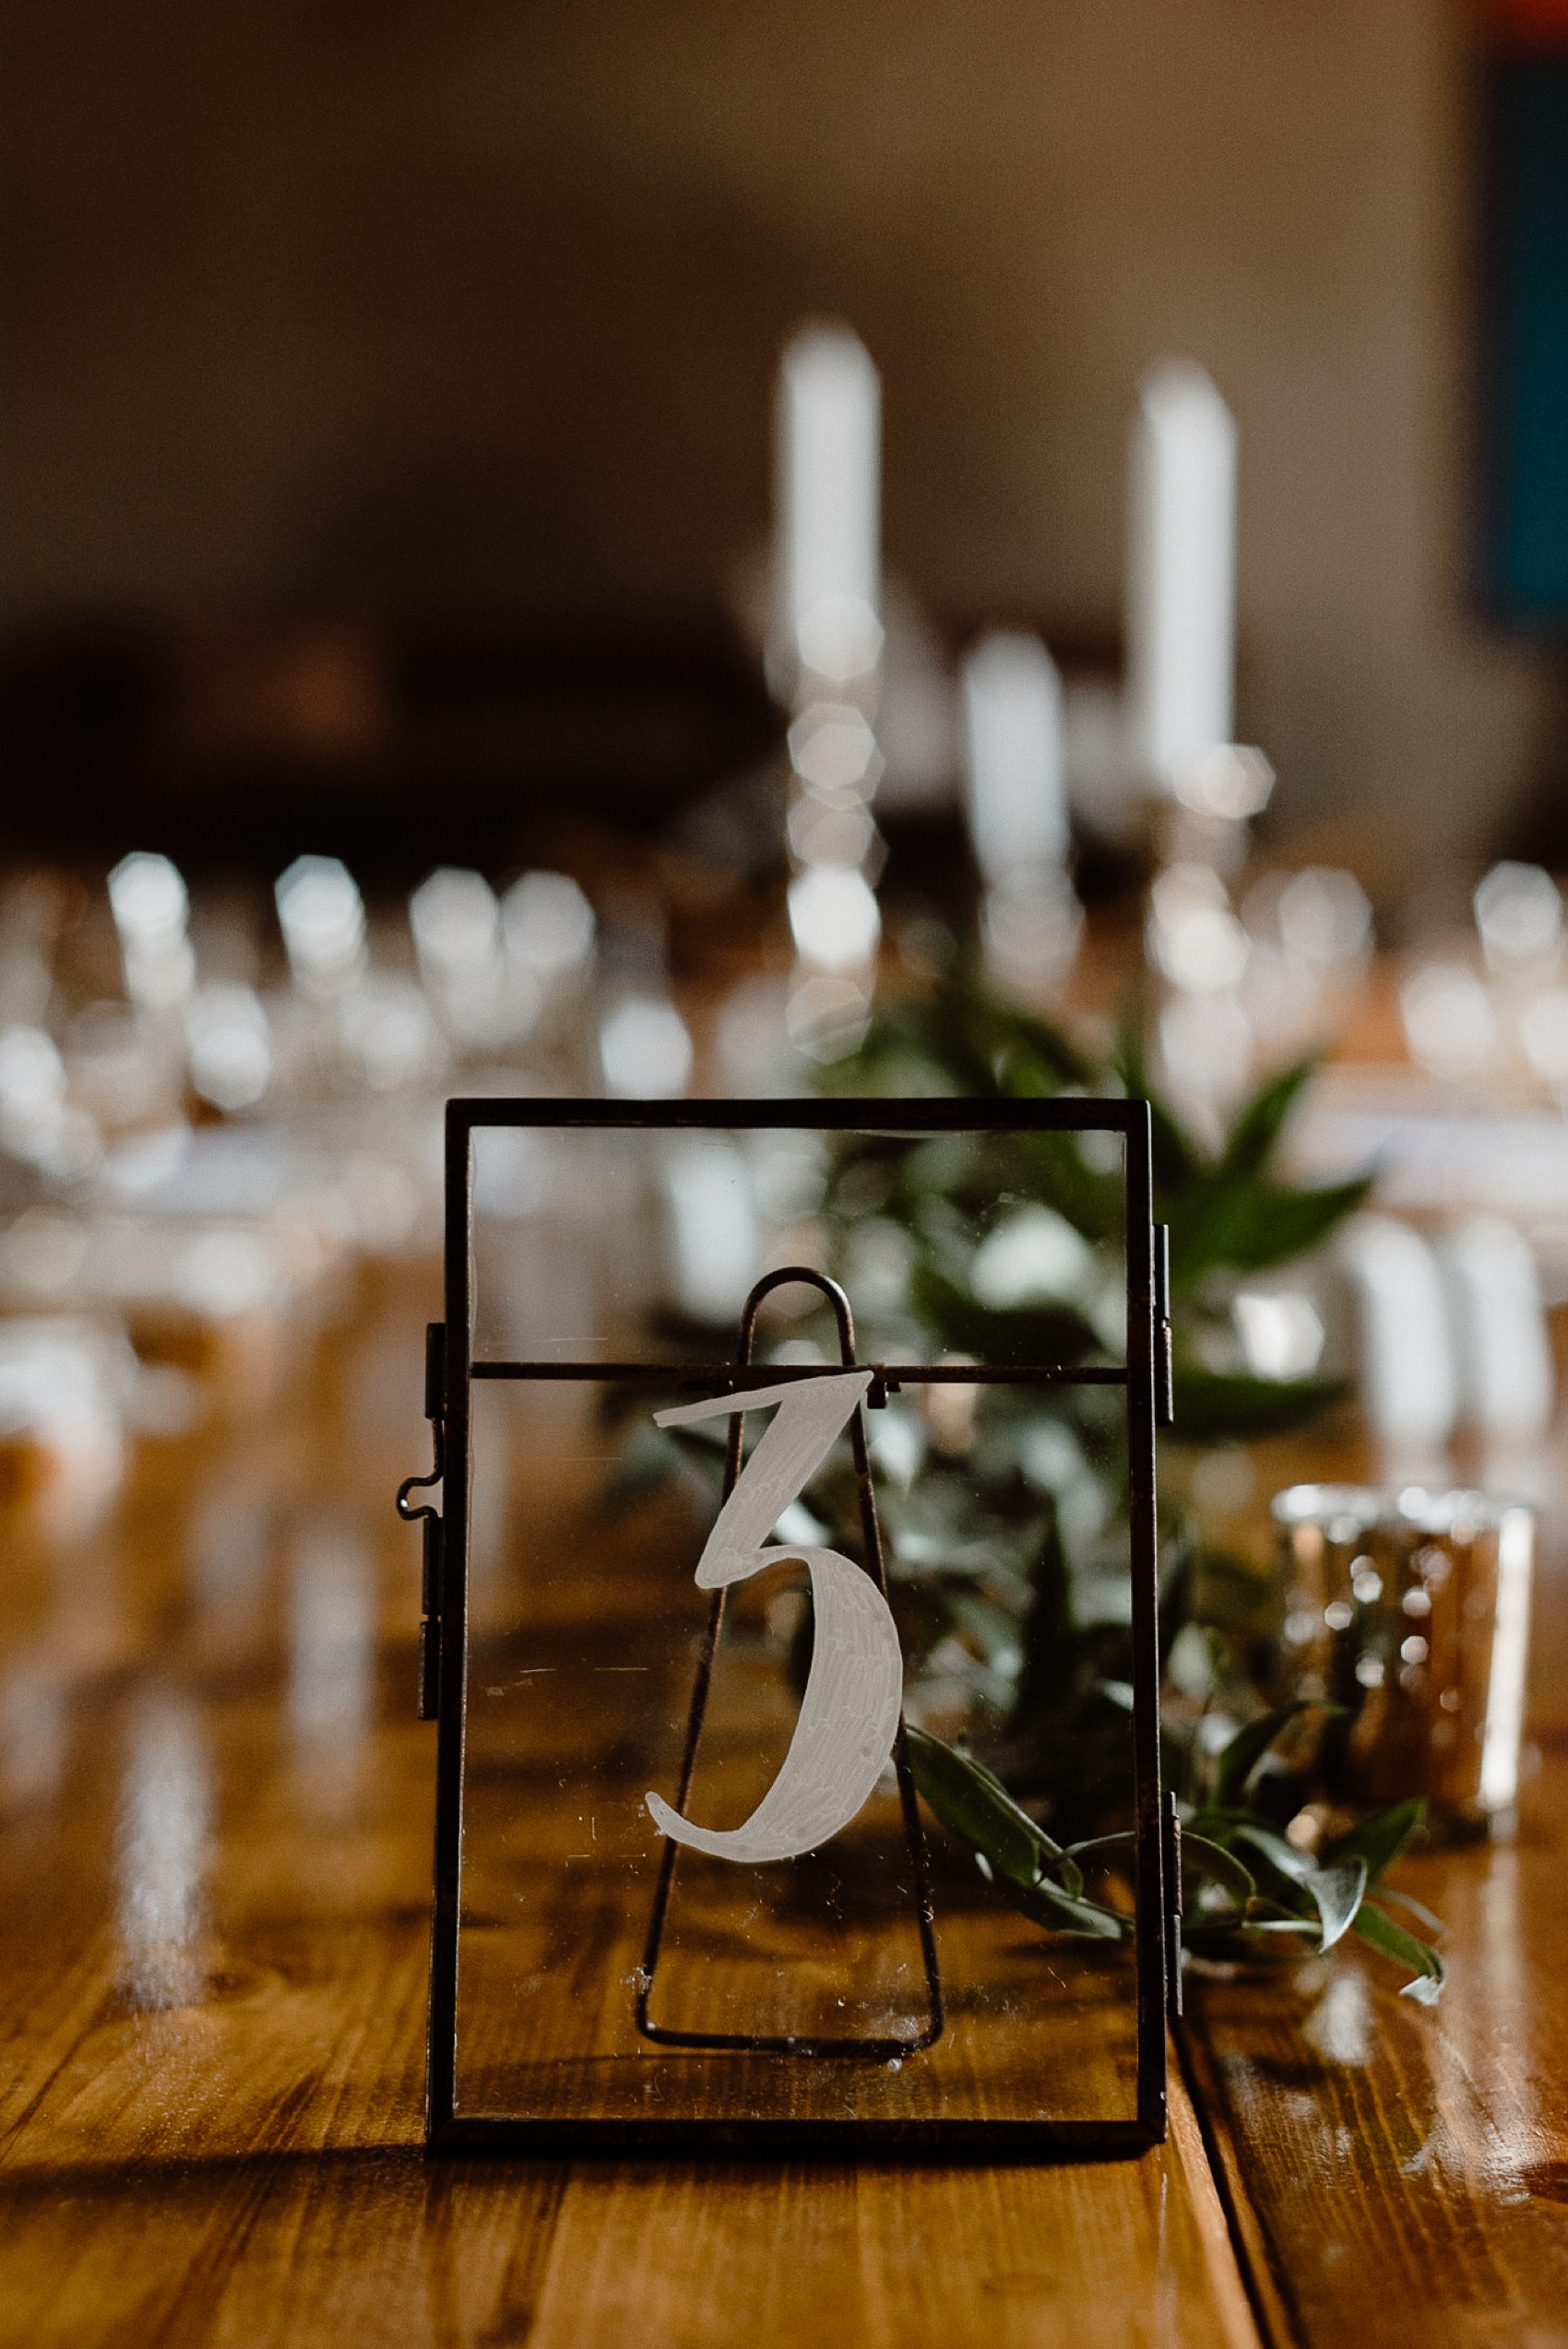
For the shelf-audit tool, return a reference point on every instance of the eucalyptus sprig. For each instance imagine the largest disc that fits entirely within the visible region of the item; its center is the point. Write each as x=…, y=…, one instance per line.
x=1006, y=1540
x=1248, y=1891
x=1228, y=1212
x=1005, y=1533
x=1004, y=1557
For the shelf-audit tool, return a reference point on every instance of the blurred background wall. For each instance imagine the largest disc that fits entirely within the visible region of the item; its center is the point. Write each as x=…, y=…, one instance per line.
x=327, y=313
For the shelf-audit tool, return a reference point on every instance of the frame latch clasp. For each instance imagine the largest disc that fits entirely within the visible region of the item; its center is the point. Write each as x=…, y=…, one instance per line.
x=430, y=1627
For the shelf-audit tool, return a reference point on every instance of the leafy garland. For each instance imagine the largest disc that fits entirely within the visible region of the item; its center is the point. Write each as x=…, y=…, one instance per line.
x=1247, y=1890
x=1003, y=1534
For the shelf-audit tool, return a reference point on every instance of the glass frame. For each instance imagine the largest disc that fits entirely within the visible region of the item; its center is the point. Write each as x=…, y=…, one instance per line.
x=450, y=1373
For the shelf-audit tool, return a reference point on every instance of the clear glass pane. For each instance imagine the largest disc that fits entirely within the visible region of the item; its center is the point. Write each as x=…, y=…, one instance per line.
x=1003, y=1522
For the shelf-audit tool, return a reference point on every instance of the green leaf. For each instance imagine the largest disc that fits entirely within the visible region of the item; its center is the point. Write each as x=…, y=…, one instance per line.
x=1426, y=1966
x=1434, y=1926
x=1199, y=1857
x=1283, y=1858
x=1241, y=1757
x=1221, y=1825
x=1261, y=1120
x=963, y=1039
x=1208, y=1859
x=1245, y=1224
x=1378, y=1840
x=1284, y=1874
x=1050, y=1168
x=1053, y=1855
x=1214, y=1404
x=1336, y=1895
x=1096, y=1846
x=1044, y=1902
x=1175, y=1158
x=967, y=1797
x=1335, y=1892
x=1046, y=1333
x=1285, y=1224
x=1033, y=1059
x=1013, y=1852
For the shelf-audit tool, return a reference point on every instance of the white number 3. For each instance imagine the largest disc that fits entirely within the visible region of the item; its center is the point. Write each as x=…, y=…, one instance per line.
x=849, y=1712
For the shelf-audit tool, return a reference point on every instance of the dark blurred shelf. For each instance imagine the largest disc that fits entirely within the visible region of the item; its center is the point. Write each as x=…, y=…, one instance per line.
x=440, y=745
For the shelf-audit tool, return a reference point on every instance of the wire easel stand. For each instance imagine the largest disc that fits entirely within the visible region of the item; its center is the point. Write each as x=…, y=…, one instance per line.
x=869, y=2049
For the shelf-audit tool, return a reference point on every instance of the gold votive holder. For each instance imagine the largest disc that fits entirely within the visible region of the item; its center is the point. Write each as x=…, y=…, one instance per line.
x=1410, y=1612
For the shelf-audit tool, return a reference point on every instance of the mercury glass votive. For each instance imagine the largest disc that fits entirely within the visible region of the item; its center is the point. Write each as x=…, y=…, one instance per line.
x=1410, y=1611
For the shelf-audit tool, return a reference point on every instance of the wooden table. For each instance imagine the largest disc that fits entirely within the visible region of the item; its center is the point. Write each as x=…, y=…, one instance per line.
x=216, y=1864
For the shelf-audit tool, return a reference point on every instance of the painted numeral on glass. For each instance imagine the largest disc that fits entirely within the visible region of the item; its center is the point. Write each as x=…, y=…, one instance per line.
x=849, y=1714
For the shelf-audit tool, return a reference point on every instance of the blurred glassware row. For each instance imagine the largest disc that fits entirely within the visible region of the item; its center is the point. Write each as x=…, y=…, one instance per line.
x=191, y=1168
x=1245, y=988
x=192, y=1163
x=1247, y=985
x=1492, y=1010
x=206, y=1123
x=1473, y=1123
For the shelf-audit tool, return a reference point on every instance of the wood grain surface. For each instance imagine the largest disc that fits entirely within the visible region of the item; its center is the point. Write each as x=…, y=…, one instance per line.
x=1400, y=2171
x=213, y=1945
x=215, y=1852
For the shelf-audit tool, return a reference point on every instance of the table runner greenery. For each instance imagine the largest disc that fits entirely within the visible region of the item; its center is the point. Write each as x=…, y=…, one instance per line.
x=1002, y=1508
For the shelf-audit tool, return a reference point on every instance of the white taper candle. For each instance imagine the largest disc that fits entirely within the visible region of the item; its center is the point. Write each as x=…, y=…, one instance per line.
x=1014, y=763
x=829, y=502
x=1181, y=571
